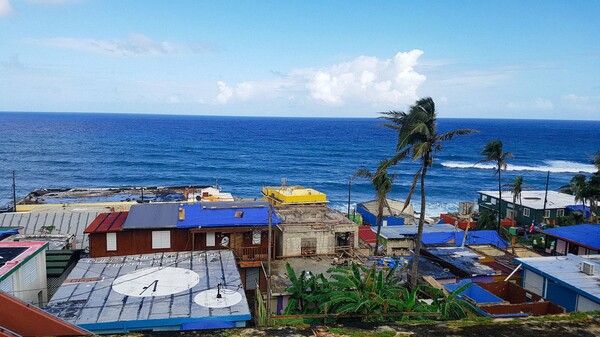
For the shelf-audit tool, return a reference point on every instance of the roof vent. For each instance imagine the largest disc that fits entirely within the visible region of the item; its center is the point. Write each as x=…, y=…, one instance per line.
x=587, y=268
x=239, y=214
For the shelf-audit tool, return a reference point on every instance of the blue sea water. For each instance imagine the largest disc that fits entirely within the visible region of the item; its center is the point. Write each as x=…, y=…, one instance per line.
x=244, y=153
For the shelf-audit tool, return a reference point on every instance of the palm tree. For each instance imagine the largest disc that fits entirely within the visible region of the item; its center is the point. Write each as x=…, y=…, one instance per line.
x=493, y=152
x=419, y=138
x=516, y=189
x=382, y=183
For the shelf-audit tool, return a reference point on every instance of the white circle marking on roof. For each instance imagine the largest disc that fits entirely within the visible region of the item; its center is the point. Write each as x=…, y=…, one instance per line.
x=208, y=298
x=155, y=281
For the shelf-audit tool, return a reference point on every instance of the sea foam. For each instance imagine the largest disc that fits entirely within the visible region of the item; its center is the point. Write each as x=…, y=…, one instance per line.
x=554, y=166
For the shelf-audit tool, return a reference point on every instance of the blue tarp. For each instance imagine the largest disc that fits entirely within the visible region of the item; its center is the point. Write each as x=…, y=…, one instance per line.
x=474, y=293
x=579, y=208
x=483, y=237
x=371, y=219
x=9, y=232
x=227, y=215
x=586, y=235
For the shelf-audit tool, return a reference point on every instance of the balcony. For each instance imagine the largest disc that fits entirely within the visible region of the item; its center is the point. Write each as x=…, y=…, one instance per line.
x=251, y=253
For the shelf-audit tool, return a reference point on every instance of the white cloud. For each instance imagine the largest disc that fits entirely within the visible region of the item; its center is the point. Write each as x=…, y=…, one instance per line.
x=365, y=79
x=581, y=103
x=536, y=104
x=5, y=8
x=134, y=45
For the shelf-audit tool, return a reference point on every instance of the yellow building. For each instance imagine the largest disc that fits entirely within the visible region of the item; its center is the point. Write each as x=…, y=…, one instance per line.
x=293, y=195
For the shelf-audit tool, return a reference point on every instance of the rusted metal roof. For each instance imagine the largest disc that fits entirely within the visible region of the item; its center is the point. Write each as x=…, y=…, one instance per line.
x=107, y=222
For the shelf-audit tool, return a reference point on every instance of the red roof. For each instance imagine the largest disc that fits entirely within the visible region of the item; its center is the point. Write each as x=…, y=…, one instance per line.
x=107, y=222
x=27, y=320
x=366, y=234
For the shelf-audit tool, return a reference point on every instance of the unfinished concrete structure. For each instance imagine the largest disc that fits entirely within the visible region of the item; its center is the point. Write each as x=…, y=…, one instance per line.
x=314, y=230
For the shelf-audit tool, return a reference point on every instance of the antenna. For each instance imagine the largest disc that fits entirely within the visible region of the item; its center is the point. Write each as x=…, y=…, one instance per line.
x=14, y=193
x=283, y=181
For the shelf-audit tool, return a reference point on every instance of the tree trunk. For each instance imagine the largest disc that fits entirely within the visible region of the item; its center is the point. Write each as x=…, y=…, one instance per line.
x=414, y=273
x=379, y=223
x=499, y=199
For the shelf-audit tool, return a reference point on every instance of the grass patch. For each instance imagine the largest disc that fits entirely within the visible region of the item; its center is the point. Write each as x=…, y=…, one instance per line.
x=470, y=322
x=572, y=317
x=297, y=323
x=361, y=333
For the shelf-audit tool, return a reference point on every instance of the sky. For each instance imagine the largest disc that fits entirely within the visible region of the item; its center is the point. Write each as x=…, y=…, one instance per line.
x=476, y=59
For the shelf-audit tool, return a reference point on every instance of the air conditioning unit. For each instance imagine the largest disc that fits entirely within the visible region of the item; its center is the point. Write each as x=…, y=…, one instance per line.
x=587, y=268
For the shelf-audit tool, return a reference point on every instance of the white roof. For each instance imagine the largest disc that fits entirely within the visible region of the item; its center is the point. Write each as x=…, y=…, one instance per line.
x=566, y=269
x=535, y=199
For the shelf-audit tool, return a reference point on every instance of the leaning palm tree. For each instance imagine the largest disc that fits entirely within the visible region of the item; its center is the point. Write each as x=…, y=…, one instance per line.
x=419, y=138
x=382, y=183
x=493, y=152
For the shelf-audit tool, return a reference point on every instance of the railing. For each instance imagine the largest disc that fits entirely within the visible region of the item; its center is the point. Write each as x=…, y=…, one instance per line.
x=251, y=253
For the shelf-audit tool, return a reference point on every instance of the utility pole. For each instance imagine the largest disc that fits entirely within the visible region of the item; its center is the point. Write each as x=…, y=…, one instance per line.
x=269, y=252
x=546, y=196
x=14, y=193
x=349, y=189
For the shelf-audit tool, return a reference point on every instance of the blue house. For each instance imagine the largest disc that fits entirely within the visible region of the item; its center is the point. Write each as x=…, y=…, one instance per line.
x=393, y=213
x=570, y=281
x=578, y=239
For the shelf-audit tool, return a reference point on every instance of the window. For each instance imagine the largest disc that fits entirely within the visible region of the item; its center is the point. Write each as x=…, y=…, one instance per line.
x=161, y=239
x=210, y=239
x=547, y=214
x=493, y=201
x=256, y=237
x=111, y=242
x=509, y=213
x=526, y=212
x=483, y=197
x=560, y=212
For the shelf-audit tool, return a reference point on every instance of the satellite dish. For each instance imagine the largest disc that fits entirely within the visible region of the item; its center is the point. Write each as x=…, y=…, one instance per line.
x=210, y=298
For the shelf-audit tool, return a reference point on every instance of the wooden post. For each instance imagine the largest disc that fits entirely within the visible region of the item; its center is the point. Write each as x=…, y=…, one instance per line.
x=269, y=253
x=14, y=186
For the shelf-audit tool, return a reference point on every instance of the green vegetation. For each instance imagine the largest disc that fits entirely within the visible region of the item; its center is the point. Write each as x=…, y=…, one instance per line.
x=493, y=152
x=382, y=183
x=370, y=294
x=418, y=138
x=361, y=332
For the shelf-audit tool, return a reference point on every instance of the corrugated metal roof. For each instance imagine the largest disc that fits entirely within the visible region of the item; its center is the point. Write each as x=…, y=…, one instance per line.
x=107, y=222
x=227, y=214
x=566, y=271
x=89, y=299
x=152, y=216
x=63, y=223
x=462, y=259
x=404, y=231
x=583, y=235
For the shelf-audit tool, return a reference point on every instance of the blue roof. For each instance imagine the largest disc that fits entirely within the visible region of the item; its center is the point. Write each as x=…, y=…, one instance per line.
x=474, y=293
x=582, y=235
x=482, y=237
x=227, y=214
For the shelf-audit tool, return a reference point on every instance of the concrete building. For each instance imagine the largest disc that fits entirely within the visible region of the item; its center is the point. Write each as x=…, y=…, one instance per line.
x=570, y=281
x=23, y=271
x=153, y=292
x=532, y=206
x=314, y=230
x=293, y=195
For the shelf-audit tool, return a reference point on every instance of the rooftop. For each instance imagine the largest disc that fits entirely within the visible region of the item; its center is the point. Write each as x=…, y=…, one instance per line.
x=395, y=208
x=290, y=195
x=15, y=254
x=226, y=214
x=162, y=291
x=462, y=259
x=51, y=223
x=159, y=215
x=583, y=235
x=107, y=222
x=311, y=214
x=566, y=270
x=408, y=231
x=535, y=199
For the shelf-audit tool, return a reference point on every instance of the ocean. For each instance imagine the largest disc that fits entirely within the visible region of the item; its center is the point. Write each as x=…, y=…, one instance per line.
x=241, y=154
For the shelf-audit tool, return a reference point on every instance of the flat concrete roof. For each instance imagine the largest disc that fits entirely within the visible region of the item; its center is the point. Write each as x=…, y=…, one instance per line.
x=535, y=199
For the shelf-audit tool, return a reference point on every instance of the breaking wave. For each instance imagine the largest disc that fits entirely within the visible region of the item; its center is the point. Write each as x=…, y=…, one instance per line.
x=554, y=166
